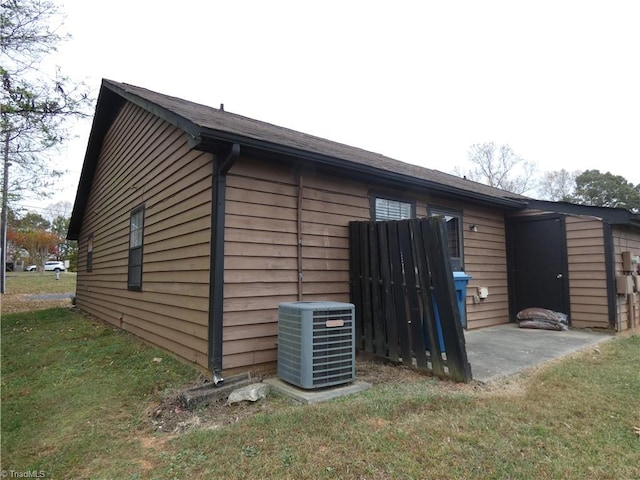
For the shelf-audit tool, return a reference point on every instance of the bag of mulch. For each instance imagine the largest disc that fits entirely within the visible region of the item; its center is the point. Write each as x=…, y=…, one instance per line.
x=542, y=318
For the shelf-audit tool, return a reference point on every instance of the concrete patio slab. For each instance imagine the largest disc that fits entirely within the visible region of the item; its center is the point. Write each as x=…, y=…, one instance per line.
x=502, y=350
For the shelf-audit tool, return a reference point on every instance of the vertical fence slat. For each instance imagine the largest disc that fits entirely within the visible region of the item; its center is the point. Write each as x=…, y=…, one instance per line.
x=428, y=317
x=379, y=341
x=387, y=298
x=366, y=288
x=401, y=316
x=355, y=280
x=445, y=293
x=415, y=314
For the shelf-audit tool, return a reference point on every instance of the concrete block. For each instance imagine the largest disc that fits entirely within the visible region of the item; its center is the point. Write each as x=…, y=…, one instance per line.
x=315, y=396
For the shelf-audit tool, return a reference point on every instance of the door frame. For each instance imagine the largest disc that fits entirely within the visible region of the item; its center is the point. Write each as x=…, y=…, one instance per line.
x=511, y=273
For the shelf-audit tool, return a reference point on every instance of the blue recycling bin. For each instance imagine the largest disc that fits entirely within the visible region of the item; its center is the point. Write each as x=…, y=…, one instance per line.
x=461, y=280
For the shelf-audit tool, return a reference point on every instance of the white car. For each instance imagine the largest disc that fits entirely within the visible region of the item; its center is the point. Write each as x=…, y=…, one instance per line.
x=31, y=268
x=54, y=266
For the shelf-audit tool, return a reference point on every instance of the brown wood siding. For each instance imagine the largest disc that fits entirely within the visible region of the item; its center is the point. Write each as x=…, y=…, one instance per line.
x=144, y=160
x=626, y=239
x=261, y=251
x=587, y=273
x=261, y=263
x=485, y=259
x=261, y=266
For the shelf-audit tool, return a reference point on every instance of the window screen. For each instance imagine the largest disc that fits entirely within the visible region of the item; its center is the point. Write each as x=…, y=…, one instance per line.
x=387, y=209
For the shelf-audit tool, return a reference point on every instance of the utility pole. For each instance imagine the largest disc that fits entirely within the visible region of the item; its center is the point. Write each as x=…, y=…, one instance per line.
x=5, y=208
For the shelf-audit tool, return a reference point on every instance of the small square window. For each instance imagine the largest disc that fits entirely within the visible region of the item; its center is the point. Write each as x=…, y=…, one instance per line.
x=388, y=209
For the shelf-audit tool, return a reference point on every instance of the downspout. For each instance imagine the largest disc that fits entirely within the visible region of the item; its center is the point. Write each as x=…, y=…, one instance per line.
x=610, y=268
x=216, y=270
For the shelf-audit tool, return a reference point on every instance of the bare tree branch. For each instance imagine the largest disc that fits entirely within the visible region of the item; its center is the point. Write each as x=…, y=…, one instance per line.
x=500, y=167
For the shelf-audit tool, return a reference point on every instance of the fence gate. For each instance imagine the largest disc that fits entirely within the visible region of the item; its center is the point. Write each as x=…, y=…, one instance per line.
x=403, y=289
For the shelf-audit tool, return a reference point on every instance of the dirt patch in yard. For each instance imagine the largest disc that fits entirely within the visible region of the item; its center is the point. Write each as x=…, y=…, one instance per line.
x=172, y=418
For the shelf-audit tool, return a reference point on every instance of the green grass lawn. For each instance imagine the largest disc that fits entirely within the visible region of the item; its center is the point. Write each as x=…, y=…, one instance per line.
x=76, y=396
x=40, y=282
x=23, y=286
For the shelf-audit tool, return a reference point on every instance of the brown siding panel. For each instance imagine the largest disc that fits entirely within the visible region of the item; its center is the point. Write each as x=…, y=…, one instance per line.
x=144, y=160
x=587, y=272
x=261, y=250
x=261, y=268
x=485, y=259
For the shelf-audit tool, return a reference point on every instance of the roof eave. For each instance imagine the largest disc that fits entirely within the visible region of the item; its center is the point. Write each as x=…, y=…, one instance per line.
x=105, y=108
x=208, y=138
x=110, y=99
x=613, y=216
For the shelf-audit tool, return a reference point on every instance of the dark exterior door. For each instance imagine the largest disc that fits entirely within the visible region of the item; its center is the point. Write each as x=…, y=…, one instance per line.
x=537, y=260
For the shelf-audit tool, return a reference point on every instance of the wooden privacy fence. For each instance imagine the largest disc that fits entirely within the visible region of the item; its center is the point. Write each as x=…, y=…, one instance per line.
x=403, y=289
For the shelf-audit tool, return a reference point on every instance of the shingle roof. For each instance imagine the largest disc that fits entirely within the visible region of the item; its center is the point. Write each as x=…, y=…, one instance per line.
x=212, y=120
x=208, y=126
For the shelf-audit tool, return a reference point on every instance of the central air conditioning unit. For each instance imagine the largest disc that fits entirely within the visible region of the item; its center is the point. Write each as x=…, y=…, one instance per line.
x=316, y=343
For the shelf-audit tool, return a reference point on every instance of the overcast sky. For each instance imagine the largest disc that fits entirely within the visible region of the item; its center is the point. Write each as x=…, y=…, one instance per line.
x=559, y=81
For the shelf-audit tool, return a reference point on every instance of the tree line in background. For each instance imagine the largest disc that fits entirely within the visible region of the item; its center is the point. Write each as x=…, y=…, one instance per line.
x=499, y=166
x=34, y=238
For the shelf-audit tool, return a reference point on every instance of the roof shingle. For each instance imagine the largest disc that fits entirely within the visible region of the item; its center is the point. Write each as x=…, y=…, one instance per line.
x=211, y=119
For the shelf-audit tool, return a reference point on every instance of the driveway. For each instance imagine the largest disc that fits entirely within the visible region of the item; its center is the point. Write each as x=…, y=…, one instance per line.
x=495, y=352
x=50, y=296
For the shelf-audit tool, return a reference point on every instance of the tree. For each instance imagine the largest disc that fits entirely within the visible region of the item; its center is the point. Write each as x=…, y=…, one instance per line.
x=558, y=185
x=39, y=243
x=606, y=190
x=59, y=209
x=35, y=105
x=500, y=167
x=31, y=221
x=36, y=239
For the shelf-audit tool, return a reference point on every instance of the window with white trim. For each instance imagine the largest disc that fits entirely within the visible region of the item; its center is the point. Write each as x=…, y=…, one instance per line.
x=453, y=220
x=90, y=253
x=388, y=209
x=136, y=235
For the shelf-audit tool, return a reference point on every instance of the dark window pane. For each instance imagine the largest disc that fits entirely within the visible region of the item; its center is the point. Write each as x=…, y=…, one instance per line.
x=135, y=268
x=453, y=222
x=136, y=236
x=90, y=254
x=453, y=231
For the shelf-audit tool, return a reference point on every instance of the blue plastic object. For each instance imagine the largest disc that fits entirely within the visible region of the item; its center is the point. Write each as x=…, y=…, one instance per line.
x=461, y=280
